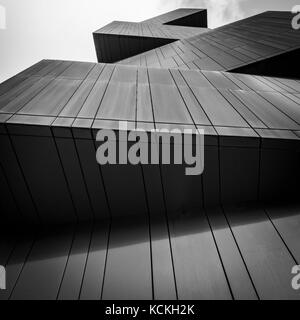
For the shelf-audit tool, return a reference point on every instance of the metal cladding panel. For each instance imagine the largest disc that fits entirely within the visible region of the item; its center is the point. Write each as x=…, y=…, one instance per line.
x=44, y=268
x=10, y=213
x=249, y=223
x=15, y=179
x=45, y=177
x=74, y=176
x=163, y=97
x=247, y=113
x=267, y=112
x=194, y=107
x=95, y=263
x=196, y=79
x=78, y=71
x=124, y=199
x=232, y=260
x=220, y=81
x=93, y=178
x=284, y=104
x=211, y=176
x=74, y=105
x=194, y=280
x=239, y=172
x=14, y=92
x=93, y=101
x=130, y=263
x=218, y=109
x=26, y=96
x=144, y=105
x=116, y=95
x=253, y=83
x=54, y=96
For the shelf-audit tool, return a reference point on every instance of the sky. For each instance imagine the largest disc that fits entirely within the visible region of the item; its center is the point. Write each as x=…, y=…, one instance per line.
x=32, y=30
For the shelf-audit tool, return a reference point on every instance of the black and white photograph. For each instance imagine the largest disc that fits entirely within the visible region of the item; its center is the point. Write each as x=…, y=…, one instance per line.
x=150, y=153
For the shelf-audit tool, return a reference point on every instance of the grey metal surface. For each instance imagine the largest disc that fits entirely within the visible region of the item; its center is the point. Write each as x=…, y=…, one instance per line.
x=233, y=108
x=242, y=252
x=240, y=46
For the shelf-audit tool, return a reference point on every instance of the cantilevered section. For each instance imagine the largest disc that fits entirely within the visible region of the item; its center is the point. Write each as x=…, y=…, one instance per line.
x=51, y=112
x=182, y=17
x=262, y=44
x=120, y=40
x=50, y=115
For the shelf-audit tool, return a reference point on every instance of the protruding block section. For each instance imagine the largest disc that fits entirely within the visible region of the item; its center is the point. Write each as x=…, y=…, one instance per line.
x=120, y=40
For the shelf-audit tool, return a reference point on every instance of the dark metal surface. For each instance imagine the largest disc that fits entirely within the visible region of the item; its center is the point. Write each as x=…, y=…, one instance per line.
x=150, y=231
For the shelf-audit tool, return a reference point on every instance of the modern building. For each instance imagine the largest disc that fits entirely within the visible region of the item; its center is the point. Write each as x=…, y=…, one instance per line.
x=80, y=230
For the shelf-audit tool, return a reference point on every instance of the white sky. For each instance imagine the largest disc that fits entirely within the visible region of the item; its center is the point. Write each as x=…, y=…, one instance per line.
x=62, y=29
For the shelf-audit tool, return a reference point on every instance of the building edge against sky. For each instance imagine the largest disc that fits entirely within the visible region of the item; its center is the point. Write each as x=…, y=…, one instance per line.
x=251, y=122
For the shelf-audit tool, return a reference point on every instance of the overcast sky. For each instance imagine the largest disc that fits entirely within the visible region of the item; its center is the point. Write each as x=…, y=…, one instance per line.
x=62, y=29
